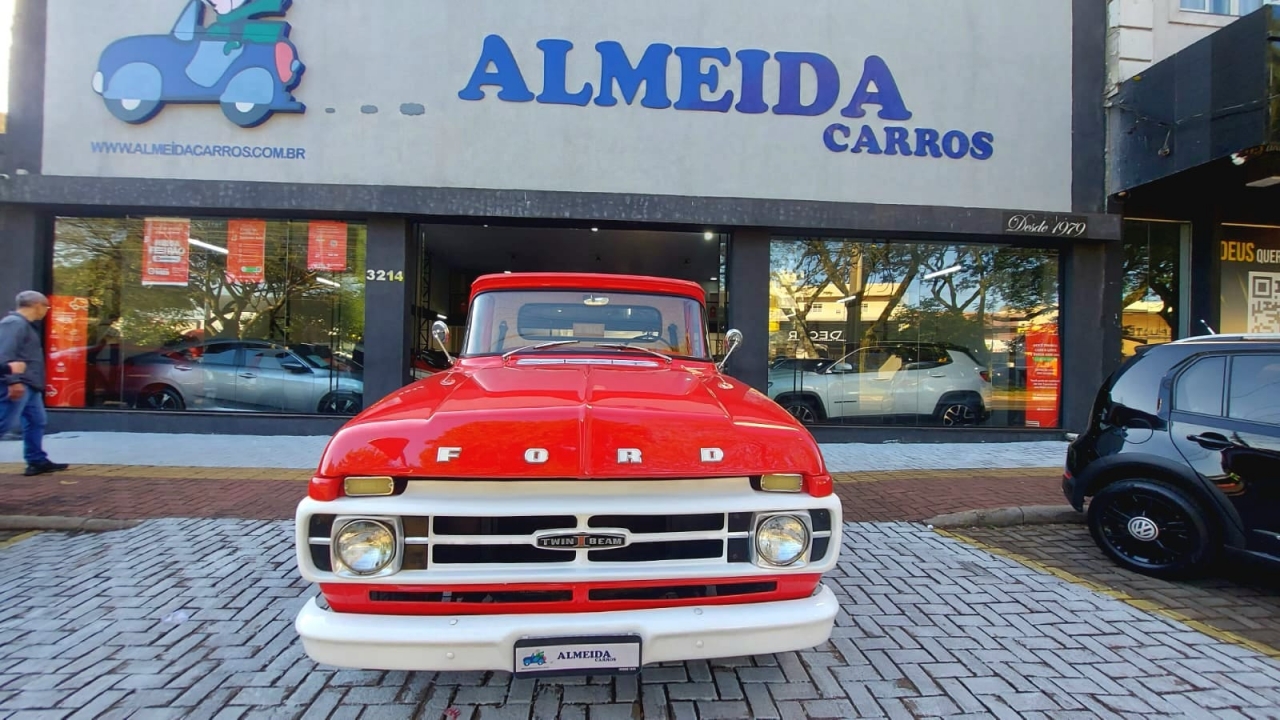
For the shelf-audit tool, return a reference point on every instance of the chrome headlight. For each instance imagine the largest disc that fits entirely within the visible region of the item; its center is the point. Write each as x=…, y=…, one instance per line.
x=782, y=539
x=365, y=547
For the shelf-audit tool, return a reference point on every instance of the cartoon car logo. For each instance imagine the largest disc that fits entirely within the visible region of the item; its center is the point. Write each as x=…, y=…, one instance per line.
x=246, y=64
x=538, y=658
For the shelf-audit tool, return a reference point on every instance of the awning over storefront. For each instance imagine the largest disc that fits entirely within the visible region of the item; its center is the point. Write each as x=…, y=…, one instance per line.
x=1216, y=98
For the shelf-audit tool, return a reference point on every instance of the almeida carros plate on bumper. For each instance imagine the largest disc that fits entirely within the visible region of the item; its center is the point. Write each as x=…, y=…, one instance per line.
x=588, y=655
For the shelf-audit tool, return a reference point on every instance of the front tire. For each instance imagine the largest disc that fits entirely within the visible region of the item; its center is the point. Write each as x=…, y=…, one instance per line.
x=133, y=112
x=1152, y=528
x=804, y=409
x=142, y=87
x=340, y=404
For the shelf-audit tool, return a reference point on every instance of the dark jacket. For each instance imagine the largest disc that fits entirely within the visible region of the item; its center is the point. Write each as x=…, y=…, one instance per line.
x=19, y=340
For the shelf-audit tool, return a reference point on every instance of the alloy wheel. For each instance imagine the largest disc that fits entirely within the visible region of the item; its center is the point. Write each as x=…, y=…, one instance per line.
x=162, y=400
x=958, y=414
x=802, y=412
x=1148, y=530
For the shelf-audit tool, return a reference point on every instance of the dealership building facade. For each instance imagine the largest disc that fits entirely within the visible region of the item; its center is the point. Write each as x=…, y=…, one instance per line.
x=248, y=226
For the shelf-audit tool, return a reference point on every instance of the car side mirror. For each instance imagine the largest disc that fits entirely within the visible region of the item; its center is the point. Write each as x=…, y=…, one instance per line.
x=732, y=340
x=440, y=333
x=296, y=368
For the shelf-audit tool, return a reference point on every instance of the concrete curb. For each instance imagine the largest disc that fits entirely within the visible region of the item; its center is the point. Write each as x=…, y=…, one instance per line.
x=61, y=523
x=1007, y=517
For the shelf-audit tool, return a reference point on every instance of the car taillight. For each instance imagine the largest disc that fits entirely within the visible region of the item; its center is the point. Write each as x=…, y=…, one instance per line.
x=284, y=62
x=986, y=376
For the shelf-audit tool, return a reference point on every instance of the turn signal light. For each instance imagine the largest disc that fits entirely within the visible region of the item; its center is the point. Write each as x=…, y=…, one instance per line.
x=782, y=483
x=368, y=486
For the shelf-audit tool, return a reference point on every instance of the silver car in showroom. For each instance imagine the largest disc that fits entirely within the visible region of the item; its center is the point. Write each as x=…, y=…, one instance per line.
x=242, y=375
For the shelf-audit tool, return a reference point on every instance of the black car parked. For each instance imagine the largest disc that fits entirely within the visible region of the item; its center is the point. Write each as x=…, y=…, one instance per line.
x=1182, y=456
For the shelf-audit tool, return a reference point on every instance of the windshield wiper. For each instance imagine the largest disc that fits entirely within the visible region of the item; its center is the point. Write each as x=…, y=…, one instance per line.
x=522, y=348
x=620, y=346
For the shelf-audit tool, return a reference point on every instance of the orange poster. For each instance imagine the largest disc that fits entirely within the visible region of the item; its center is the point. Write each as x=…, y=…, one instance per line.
x=246, y=251
x=68, y=330
x=327, y=249
x=165, y=252
x=1044, y=377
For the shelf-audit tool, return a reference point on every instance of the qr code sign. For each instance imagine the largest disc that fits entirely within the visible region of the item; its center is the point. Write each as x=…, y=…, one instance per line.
x=1264, y=302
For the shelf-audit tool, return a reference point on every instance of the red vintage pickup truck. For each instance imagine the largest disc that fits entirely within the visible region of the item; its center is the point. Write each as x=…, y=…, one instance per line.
x=582, y=492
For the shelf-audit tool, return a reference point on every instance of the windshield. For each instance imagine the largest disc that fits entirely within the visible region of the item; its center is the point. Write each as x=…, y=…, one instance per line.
x=584, y=321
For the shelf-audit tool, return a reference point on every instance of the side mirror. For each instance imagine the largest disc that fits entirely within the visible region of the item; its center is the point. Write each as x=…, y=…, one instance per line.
x=440, y=333
x=296, y=368
x=732, y=340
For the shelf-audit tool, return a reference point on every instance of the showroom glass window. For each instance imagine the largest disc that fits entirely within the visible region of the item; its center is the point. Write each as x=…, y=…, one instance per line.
x=1153, y=277
x=872, y=333
x=203, y=314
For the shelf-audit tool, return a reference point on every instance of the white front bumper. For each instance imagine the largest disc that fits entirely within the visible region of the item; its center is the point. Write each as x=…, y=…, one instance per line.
x=487, y=642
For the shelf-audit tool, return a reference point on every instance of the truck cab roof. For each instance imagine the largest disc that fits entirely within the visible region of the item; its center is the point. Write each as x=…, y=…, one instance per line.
x=588, y=281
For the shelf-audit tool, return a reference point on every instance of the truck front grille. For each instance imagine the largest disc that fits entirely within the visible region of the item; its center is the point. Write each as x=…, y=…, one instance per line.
x=452, y=541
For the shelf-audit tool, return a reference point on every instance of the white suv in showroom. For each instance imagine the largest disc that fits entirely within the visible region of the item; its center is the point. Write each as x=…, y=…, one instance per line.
x=943, y=382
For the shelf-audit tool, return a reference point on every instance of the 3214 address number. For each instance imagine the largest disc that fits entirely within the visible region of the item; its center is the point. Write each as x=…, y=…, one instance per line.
x=384, y=275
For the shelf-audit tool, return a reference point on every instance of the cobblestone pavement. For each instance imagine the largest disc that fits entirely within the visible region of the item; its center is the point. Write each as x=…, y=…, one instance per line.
x=1236, y=598
x=131, y=492
x=191, y=619
x=303, y=452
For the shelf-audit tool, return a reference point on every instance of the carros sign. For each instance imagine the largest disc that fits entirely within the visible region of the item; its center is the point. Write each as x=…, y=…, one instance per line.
x=701, y=90
x=763, y=99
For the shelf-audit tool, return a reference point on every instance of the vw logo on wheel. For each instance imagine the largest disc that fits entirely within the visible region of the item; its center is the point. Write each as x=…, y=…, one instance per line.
x=1144, y=529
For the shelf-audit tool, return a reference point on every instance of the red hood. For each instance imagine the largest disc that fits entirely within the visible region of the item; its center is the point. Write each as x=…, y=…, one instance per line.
x=581, y=415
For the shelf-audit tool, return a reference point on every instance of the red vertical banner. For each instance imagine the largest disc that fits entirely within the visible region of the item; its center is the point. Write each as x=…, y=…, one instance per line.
x=327, y=249
x=1044, y=377
x=246, y=251
x=166, y=252
x=68, y=330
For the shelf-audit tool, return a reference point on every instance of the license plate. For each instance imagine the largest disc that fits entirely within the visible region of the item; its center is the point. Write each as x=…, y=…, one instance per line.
x=594, y=655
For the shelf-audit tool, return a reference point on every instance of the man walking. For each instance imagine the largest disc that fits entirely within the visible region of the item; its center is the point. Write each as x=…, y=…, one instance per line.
x=24, y=391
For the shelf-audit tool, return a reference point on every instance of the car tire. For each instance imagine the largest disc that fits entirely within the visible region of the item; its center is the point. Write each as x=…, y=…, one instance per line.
x=132, y=111
x=161, y=398
x=340, y=403
x=140, y=79
x=959, y=411
x=1152, y=528
x=804, y=409
x=246, y=115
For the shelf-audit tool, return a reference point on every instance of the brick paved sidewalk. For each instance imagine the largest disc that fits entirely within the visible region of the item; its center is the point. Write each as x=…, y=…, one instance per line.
x=922, y=494
x=133, y=492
